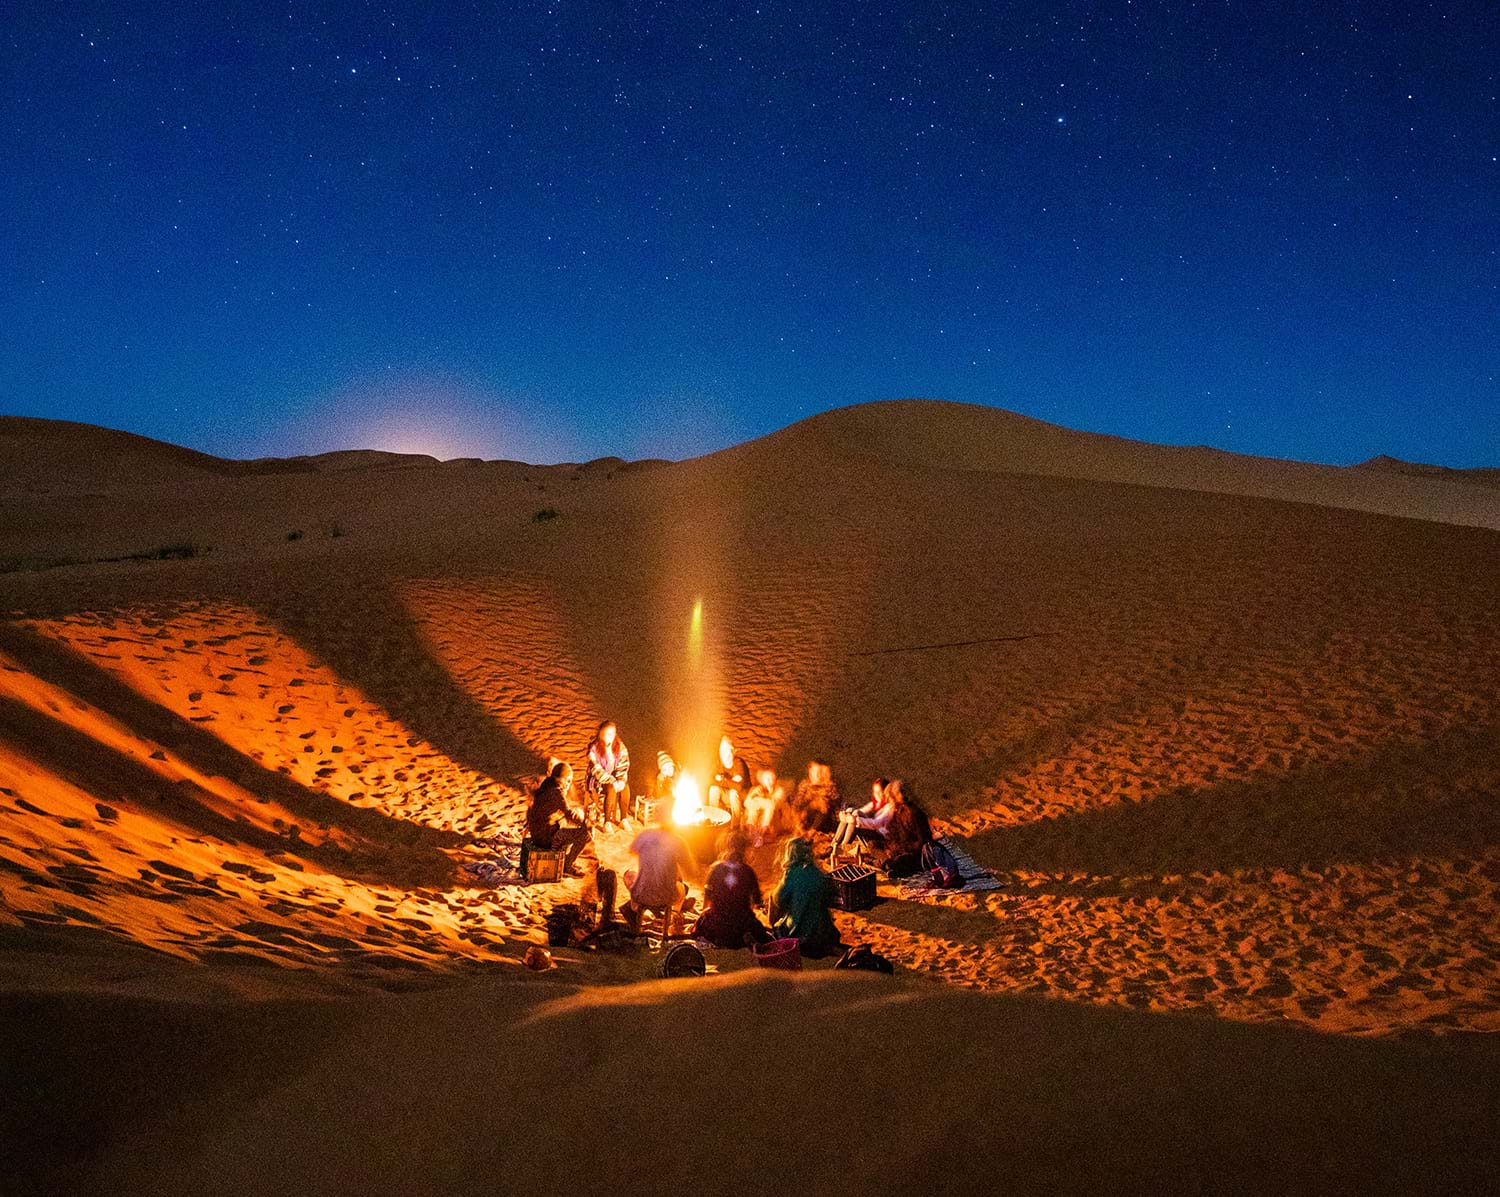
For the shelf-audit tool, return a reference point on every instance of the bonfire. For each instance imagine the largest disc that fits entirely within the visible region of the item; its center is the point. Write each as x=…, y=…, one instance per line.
x=688, y=809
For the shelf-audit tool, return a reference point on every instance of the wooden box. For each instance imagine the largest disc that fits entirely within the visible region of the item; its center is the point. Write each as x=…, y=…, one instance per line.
x=541, y=864
x=856, y=886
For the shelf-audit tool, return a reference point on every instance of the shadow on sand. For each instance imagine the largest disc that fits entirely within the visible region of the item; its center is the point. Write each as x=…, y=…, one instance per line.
x=110, y=775
x=1353, y=812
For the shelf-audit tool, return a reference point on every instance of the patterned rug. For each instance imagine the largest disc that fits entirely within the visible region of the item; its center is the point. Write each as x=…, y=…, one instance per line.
x=976, y=878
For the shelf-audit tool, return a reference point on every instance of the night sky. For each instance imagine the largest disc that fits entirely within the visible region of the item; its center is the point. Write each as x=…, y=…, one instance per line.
x=555, y=231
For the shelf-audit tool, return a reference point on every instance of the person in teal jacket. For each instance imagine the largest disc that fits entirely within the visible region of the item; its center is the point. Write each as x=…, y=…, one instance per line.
x=801, y=902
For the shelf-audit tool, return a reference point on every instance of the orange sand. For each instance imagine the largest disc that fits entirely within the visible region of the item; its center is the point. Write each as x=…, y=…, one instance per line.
x=1247, y=768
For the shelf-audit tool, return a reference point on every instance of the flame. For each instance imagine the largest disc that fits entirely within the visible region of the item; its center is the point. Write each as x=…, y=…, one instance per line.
x=687, y=802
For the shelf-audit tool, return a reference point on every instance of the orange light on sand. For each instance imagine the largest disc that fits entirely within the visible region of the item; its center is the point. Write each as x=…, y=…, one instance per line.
x=687, y=801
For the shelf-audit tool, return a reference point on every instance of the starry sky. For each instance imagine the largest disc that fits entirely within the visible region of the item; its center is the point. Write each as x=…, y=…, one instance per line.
x=559, y=230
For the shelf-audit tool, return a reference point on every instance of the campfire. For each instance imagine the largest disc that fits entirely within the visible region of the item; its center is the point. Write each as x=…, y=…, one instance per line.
x=687, y=805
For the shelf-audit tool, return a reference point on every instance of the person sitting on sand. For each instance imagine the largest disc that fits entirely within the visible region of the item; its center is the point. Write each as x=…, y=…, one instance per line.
x=906, y=832
x=551, y=823
x=866, y=823
x=663, y=785
x=800, y=906
x=664, y=858
x=732, y=892
x=816, y=799
x=606, y=784
x=763, y=804
x=731, y=783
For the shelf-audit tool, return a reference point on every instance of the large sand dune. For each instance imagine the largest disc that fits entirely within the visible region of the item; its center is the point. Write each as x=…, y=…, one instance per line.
x=1225, y=728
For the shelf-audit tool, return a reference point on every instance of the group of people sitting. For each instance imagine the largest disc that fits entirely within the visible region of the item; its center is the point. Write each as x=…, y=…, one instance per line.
x=890, y=829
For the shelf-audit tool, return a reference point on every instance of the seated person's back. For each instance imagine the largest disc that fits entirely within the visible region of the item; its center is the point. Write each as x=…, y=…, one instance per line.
x=664, y=857
x=732, y=893
x=802, y=901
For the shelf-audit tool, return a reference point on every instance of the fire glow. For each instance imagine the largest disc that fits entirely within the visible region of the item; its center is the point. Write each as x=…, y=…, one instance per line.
x=687, y=801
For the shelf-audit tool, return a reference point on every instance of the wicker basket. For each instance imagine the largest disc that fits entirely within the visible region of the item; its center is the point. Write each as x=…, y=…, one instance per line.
x=779, y=953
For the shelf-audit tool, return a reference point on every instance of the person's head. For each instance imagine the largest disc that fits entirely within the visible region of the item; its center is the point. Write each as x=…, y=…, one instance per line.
x=665, y=765
x=877, y=788
x=818, y=773
x=607, y=733
x=736, y=844
x=893, y=791
x=797, y=854
x=726, y=753
x=766, y=777
x=562, y=773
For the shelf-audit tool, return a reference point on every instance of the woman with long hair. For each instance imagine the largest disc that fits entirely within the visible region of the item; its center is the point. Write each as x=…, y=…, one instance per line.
x=606, y=781
x=866, y=823
x=800, y=906
x=906, y=832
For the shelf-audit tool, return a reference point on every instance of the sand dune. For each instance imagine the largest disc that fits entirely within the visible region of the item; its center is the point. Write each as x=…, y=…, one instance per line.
x=707, y=1087
x=967, y=437
x=1225, y=731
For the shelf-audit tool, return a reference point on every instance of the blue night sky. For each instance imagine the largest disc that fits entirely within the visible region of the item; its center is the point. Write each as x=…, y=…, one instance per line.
x=563, y=230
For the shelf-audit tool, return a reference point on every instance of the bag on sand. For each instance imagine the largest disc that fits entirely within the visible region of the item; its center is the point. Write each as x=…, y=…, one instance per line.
x=861, y=957
x=942, y=864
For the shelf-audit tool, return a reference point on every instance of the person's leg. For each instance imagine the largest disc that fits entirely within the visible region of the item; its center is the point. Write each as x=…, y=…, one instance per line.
x=574, y=839
x=843, y=832
x=676, y=912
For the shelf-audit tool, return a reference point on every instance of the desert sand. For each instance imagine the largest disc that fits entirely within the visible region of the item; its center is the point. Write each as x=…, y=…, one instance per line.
x=1225, y=728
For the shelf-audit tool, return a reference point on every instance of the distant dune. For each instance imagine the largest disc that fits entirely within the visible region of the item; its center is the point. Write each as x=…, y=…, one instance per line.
x=1483, y=476
x=958, y=436
x=52, y=457
x=1223, y=728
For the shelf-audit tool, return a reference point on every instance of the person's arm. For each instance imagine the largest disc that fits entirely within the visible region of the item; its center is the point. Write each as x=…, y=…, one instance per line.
x=876, y=822
x=595, y=773
x=622, y=767
x=712, y=884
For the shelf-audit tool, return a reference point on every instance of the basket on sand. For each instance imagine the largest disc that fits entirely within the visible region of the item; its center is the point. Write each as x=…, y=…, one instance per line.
x=779, y=953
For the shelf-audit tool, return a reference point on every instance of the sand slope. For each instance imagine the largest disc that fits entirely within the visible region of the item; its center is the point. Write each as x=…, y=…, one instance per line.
x=968, y=437
x=1230, y=755
x=831, y=1084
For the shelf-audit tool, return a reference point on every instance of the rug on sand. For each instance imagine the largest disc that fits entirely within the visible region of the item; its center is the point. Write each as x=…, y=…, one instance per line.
x=976, y=878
